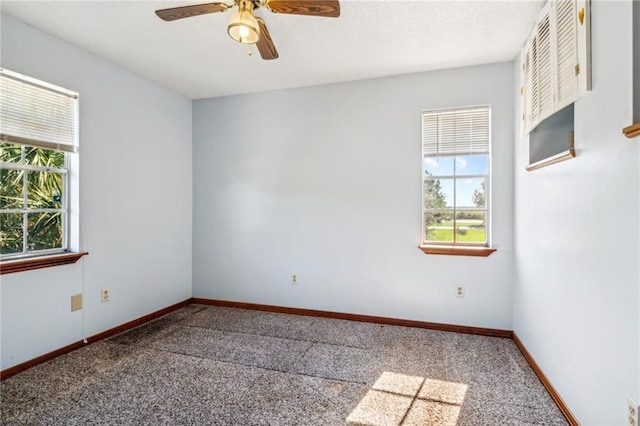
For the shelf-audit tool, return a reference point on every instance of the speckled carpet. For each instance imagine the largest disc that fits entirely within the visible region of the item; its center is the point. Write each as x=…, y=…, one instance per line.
x=223, y=366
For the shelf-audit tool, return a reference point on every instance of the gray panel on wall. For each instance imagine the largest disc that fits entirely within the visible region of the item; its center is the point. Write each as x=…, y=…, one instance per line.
x=551, y=137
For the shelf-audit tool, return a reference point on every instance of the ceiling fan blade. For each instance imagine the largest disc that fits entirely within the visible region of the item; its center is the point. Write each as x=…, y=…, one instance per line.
x=327, y=8
x=264, y=44
x=189, y=11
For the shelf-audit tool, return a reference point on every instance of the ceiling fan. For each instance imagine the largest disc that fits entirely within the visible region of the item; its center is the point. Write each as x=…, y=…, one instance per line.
x=245, y=27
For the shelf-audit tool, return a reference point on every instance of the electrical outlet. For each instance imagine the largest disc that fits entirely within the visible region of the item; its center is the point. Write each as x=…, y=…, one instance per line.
x=105, y=295
x=460, y=291
x=294, y=279
x=632, y=412
x=76, y=302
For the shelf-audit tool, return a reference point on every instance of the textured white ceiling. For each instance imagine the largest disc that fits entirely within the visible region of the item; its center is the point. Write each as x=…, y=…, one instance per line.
x=196, y=57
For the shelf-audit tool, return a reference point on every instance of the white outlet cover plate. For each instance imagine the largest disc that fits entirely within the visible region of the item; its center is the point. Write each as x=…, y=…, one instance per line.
x=633, y=412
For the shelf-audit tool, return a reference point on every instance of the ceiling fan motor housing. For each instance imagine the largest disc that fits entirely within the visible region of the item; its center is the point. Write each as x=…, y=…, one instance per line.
x=243, y=27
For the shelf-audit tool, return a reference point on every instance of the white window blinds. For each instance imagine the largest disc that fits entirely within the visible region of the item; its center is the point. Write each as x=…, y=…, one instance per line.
x=456, y=132
x=37, y=113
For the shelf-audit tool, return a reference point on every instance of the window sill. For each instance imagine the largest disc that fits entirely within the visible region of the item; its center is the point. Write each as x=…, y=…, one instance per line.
x=458, y=250
x=21, y=265
x=632, y=131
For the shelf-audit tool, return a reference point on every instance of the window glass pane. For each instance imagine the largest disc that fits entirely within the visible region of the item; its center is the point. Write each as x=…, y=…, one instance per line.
x=470, y=192
x=438, y=193
x=438, y=226
x=44, y=157
x=11, y=189
x=45, y=190
x=471, y=165
x=10, y=233
x=470, y=227
x=437, y=166
x=45, y=231
x=10, y=152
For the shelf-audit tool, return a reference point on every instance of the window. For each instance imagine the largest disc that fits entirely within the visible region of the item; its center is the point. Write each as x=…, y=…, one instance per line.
x=33, y=207
x=456, y=158
x=38, y=131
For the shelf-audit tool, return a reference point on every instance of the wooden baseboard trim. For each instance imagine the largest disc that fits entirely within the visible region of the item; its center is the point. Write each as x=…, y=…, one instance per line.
x=357, y=317
x=546, y=383
x=11, y=371
x=139, y=321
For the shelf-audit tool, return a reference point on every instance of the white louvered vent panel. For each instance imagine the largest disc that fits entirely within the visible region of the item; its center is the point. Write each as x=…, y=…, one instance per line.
x=545, y=80
x=535, y=87
x=567, y=52
x=556, y=60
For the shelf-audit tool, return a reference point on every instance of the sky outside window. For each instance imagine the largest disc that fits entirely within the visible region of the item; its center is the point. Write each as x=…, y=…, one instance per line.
x=458, y=166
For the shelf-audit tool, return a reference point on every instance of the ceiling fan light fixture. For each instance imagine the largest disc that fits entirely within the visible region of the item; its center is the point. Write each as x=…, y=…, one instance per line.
x=243, y=27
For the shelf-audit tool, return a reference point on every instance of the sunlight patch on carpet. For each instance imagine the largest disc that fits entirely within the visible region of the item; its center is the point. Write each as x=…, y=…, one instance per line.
x=400, y=400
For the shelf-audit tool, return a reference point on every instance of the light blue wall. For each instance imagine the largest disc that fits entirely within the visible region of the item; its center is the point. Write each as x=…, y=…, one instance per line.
x=135, y=201
x=325, y=182
x=576, y=293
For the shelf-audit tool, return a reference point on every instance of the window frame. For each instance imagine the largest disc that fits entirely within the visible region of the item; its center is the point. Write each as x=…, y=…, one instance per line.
x=456, y=247
x=61, y=135
x=25, y=210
